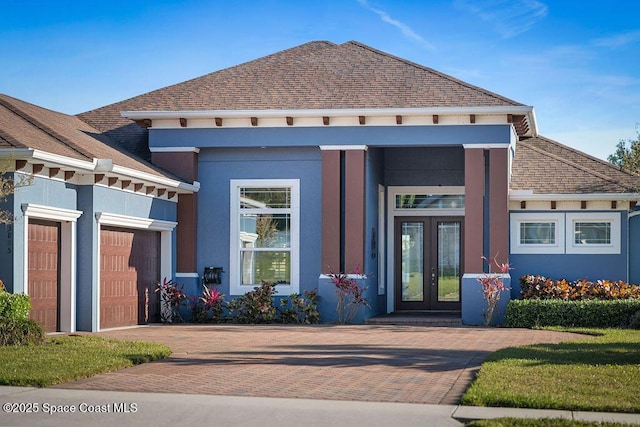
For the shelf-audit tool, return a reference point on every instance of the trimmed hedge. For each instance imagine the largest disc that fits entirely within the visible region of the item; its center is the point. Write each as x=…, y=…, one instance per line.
x=586, y=313
x=20, y=332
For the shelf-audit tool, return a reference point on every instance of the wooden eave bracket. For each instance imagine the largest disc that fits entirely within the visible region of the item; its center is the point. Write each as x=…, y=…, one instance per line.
x=218, y=121
x=183, y=122
x=289, y=121
x=37, y=167
x=362, y=120
x=143, y=123
x=326, y=120
x=435, y=118
x=53, y=172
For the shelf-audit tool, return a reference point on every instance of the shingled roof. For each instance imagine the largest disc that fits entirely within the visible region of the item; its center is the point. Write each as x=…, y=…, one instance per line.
x=545, y=166
x=24, y=125
x=315, y=75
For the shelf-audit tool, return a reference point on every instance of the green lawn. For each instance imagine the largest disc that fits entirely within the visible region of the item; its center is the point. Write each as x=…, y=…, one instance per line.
x=544, y=422
x=69, y=358
x=597, y=373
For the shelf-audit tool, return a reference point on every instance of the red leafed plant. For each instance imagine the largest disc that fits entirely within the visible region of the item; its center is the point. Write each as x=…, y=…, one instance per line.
x=171, y=298
x=492, y=287
x=349, y=293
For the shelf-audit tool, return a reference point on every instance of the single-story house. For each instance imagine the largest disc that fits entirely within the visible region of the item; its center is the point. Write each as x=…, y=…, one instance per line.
x=320, y=158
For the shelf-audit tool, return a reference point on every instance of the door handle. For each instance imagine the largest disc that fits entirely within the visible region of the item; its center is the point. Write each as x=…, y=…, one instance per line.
x=433, y=276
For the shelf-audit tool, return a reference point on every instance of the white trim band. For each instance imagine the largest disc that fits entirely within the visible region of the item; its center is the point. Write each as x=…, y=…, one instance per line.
x=134, y=222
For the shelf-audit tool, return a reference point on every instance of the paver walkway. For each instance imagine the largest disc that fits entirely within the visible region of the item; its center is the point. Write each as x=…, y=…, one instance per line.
x=362, y=363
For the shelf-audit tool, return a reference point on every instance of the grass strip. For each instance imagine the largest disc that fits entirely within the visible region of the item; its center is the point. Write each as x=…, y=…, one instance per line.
x=598, y=373
x=544, y=422
x=69, y=358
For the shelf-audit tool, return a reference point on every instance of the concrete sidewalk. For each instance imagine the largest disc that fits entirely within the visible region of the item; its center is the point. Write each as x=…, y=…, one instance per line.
x=142, y=409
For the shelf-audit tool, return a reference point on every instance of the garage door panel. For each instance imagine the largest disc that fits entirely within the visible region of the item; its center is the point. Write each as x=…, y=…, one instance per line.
x=43, y=272
x=129, y=271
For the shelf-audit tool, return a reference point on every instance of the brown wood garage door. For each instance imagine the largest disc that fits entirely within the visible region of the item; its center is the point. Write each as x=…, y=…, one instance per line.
x=43, y=272
x=129, y=271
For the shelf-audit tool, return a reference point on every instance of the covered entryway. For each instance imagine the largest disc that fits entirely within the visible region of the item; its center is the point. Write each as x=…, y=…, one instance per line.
x=44, y=272
x=129, y=271
x=428, y=263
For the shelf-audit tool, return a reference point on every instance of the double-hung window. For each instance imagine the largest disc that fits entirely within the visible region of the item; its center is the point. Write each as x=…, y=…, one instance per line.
x=265, y=217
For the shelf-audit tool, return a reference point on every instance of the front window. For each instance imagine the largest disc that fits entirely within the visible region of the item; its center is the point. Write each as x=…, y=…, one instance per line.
x=264, y=234
x=537, y=233
x=593, y=232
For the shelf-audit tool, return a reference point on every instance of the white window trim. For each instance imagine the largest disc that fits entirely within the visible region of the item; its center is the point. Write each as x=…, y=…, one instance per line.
x=558, y=218
x=234, y=234
x=611, y=217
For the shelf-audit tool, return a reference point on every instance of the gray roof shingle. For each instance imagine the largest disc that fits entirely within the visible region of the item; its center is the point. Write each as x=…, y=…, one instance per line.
x=24, y=125
x=548, y=167
x=315, y=75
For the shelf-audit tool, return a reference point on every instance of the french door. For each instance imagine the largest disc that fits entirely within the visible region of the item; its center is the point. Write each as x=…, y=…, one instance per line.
x=428, y=262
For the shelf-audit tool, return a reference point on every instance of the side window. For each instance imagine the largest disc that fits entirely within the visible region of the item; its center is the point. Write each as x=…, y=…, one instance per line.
x=537, y=233
x=593, y=233
x=264, y=234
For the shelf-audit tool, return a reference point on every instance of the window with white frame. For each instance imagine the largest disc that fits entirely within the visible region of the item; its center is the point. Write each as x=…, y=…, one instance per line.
x=593, y=233
x=537, y=233
x=264, y=234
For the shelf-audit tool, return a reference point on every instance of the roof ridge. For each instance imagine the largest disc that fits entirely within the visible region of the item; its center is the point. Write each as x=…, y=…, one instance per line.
x=569, y=162
x=44, y=128
x=433, y=71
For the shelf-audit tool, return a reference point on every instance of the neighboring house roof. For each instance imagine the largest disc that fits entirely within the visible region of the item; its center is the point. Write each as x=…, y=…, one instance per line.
x=545, y=166
x=315, y=75
x=24, y=125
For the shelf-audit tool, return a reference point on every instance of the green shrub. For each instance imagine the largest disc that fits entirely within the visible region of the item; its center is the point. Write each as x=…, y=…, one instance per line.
x=20, y=332
x=255, y=306
x=586, y=313
x=301, y=310
x=14, y=306
x=540, y=287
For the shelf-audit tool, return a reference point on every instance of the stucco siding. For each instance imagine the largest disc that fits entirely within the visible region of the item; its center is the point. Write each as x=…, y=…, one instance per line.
x=218, y=166
x=573, y=266
x=333, y=135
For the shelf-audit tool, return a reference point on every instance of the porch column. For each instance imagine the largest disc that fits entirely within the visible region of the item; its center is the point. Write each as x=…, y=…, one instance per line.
x=354, y=221
x=183, y=164
x=499, y=203
x=474, y=209
x=331, y=211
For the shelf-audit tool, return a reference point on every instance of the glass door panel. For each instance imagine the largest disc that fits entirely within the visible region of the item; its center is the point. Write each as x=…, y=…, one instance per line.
x=412, y=263
x=448, y=267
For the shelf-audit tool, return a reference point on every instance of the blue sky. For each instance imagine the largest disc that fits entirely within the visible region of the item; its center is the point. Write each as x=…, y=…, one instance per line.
x=576, y=62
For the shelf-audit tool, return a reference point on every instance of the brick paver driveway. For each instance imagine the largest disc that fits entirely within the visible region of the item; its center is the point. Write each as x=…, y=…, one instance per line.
x=362, y=363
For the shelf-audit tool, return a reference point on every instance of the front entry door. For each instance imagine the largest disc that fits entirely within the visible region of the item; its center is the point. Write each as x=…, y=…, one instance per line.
x=428, y=263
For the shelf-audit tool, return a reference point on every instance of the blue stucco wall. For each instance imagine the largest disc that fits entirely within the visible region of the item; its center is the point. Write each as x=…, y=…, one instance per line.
x=573, y=266
x=218, y=166
x=339, y=135
x=94, y=199
x=41, y=191
x=374, y=177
